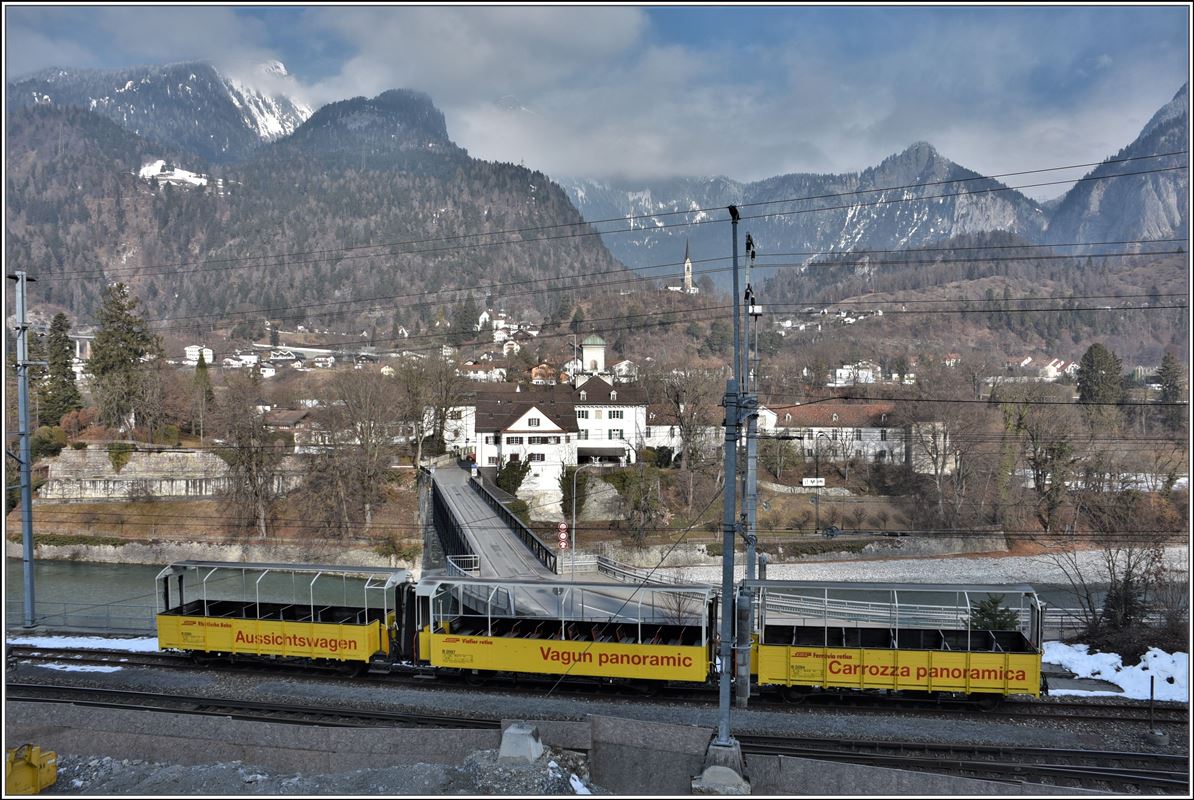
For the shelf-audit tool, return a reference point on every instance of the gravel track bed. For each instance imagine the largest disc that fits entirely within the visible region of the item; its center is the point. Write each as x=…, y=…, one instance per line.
x=493, y=702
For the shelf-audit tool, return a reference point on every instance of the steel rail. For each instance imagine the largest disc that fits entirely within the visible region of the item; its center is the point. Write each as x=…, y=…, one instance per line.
x=237, y=709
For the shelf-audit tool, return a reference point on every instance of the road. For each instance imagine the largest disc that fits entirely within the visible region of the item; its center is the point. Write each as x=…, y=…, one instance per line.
x=500, y=553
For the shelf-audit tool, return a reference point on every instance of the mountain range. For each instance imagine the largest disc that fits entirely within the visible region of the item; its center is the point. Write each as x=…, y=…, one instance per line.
x=363, y=171
x=648, y=223
x=190, y=107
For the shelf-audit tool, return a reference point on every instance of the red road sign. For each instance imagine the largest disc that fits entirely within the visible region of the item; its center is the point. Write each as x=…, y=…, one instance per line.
x=562, y=536
x=562, y=527
x=563, y=544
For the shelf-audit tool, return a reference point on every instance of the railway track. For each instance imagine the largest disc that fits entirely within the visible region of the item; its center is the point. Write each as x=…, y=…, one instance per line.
x=1113, y=771
x=1113, y=711
x=236, y=709
x=1100, y=709
x=1108, y=771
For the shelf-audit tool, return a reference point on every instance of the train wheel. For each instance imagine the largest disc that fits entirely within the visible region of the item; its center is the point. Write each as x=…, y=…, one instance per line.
x=474, y=678
x=647, y=688
x=796, y=695
x=989, y=702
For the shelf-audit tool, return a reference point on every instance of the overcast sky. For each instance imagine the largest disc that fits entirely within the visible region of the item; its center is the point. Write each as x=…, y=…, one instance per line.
x=644, y=93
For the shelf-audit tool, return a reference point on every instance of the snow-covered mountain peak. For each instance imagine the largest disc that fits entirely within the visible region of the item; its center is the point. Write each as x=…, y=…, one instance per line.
x=273, y=67
x=270, y=116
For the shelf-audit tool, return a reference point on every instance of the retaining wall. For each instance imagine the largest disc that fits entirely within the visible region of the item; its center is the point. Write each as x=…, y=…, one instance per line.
x=188, y=739
x=784, y=776
x=88, y=475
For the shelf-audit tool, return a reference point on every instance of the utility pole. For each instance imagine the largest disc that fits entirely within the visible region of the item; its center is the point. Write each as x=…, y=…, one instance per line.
x=725, y=752
x=25, y=459
x=749, y=411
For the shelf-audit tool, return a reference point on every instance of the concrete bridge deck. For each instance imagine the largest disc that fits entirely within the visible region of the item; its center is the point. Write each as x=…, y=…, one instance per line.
x=500, y=554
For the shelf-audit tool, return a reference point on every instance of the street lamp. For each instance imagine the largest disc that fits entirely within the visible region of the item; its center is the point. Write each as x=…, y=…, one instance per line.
x=576, y=472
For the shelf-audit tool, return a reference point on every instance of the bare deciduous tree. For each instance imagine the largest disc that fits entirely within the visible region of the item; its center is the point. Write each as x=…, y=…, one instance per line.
x=345, y=479
x=254, y=458
x=691, y=396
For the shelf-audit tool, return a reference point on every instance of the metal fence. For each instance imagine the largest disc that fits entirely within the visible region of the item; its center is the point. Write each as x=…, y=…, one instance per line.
x=116, y=618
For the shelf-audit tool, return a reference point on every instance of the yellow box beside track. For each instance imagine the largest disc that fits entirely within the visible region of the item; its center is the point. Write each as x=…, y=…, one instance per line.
x=273, y=637
x=554, y=657
x=915, y=670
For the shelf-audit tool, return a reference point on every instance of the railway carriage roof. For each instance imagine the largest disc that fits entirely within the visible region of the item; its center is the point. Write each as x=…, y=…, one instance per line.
x=394, y=574
x=972, y=588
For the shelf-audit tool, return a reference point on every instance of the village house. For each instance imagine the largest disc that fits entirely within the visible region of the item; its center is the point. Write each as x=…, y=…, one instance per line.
x=840, y=431
x=192, y=353
x=486, y=373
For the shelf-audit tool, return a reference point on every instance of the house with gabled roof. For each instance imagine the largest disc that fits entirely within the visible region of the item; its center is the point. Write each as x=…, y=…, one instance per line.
x=526, y=427
x=840, y=431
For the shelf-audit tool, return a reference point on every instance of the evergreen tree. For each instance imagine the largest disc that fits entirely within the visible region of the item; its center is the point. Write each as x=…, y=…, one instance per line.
x=1101, y=386
x=991, y=615
x=203, y=392
x=464, y=320
x=511, y=475
x=58, y=395
x=121, y=344
x=1173, y=390
x=1099, y=376
x=273, y=336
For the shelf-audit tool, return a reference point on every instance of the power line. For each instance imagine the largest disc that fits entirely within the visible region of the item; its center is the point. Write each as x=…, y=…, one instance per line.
x=570, y=288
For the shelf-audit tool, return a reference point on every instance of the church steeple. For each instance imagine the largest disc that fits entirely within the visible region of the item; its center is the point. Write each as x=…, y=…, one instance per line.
x=687, y=270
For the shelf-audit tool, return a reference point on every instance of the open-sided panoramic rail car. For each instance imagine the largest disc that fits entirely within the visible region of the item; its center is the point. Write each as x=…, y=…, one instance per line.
x=807, y=636
x=314, y=612
x=898, y=637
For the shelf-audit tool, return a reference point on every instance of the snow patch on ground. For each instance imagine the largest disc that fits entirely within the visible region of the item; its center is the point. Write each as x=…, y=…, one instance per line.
x=80, y=667
x=1171, y=671
x=138, y=644
x=178, y=175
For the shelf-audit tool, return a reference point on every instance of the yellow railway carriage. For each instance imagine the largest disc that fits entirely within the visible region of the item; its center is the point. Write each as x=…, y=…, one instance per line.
x=964, y=639
x=306, y=611
x=590, y=630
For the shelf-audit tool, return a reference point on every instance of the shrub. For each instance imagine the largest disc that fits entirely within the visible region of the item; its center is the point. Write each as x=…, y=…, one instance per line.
x=119, y=454
x=46, y=441
x=512, y=474
x=78, y=445
x=663, y=456
x=400, y=549
x=167, y=434
x=520, y=509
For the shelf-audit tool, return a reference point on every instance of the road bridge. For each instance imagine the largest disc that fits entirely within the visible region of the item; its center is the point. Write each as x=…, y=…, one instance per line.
x=474, y=526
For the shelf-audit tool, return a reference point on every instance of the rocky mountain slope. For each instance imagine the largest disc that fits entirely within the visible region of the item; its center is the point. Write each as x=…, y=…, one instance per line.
x=190, y=106
x=1134, y=207
x=868, y=210
x=880, y=208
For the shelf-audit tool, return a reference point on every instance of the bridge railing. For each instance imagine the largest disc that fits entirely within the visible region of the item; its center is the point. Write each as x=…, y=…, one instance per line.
x=533, y=543
x=447, y=527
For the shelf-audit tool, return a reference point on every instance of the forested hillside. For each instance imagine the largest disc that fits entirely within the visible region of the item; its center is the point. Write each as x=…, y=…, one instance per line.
x=280, y=233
